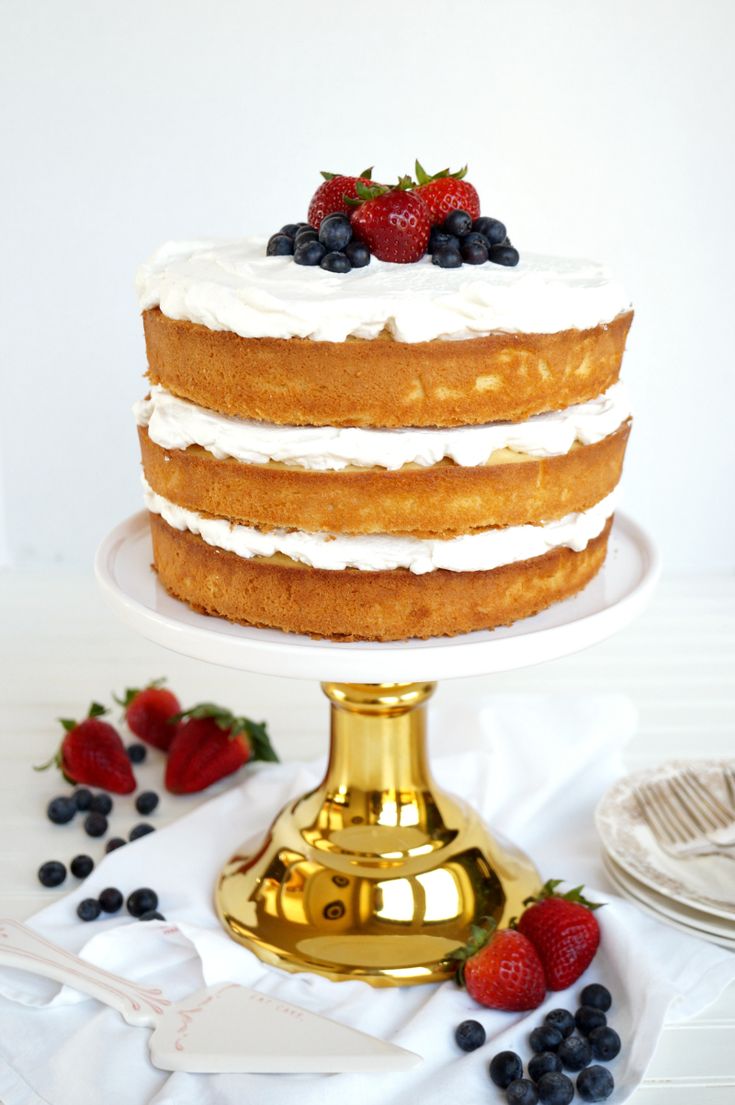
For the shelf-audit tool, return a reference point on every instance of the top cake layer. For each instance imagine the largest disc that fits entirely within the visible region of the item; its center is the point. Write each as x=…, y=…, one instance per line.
x=232, y=286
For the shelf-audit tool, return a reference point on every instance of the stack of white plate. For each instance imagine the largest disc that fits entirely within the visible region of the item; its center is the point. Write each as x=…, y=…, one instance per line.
x=696, y=894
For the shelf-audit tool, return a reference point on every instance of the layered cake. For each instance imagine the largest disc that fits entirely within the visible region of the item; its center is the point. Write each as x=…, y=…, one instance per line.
x=381, y=450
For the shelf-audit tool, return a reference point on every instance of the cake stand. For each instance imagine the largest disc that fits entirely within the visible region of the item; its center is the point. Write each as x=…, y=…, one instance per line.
x=376, y=874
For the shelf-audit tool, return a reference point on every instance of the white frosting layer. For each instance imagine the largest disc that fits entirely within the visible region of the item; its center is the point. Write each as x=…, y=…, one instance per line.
x=375, y=553
x=176, y=424
x=232, y=285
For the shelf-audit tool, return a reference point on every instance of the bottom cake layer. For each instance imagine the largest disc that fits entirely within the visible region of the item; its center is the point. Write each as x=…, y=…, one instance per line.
x=353, y=605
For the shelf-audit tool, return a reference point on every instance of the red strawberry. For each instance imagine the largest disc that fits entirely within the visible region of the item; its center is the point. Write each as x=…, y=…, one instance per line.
x=92, y=753
x=444, y=192
x=330, y=196
x=564, y=931
x=149, y=713
x=393, y=222
x=210, y=743
x=501, y=969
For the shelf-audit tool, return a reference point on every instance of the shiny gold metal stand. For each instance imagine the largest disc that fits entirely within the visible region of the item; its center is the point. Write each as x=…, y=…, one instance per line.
x=376, y=874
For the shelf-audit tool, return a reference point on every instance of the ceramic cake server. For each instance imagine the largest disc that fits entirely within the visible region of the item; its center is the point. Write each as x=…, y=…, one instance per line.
x=227, y=1027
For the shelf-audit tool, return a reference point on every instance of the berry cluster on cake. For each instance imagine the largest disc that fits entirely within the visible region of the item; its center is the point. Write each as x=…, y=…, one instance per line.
x=382, y=423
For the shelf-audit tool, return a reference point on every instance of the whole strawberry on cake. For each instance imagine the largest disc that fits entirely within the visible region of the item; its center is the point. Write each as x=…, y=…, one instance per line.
x=383, y=423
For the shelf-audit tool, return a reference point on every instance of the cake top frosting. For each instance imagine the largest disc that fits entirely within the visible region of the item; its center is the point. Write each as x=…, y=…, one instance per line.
x=234, y=286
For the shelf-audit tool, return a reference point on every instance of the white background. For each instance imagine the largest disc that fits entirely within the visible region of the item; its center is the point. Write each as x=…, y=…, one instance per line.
x=600, y=129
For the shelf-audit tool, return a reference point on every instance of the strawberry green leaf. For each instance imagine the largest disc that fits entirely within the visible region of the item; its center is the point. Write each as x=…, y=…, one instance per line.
x=367, y=174
x=96, y=710
x=132, y=692
x=68, y=724
x=548, y=890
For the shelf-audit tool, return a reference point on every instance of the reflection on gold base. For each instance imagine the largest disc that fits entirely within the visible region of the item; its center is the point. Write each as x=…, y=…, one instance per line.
x=376, y=874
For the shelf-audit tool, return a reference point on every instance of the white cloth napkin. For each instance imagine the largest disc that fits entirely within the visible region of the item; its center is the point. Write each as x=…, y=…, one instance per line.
x=533, y=767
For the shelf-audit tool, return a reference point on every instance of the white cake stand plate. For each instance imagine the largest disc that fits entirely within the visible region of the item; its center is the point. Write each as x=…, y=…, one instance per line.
x=612, y=600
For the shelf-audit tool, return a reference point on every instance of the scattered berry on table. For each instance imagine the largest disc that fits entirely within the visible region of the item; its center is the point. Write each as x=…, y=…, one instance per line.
x=564, y=931
x=543, y=1063
x=92, y=752
x=140, y=830
x=146, y=802
x=561, y=1019
x=505, y=1067
x=473, y=252
x=101, y=803
x=309, y=252
x=290, y=229
x=444, y=192
x=439, y=237
x=82, y=798
x=597, y=996
x=574, y=1053
x=136, y=752
x=394, y=223
x=501, y=969
x=358, y=254
x=587, y=1017
x=51, y=873
x=142, y=901
x=335, y=262
x=458, y=223
x=61, y=809
x=89, y=909
x=81, y=866
x=545, y=1038
x=279, y=245
x=605, y=1043
x=447, y=257
x=151, y=915
x=210, y=743
x=335, y=232
x=95, y=824
x=504, y=255
x=492, y=229
x=470, y=1035
x=329, y=197
x=521, y=1092
x=114, y=843
x=595, y=1084
x=555, y=1089
x=151, y=712
x=110, y=900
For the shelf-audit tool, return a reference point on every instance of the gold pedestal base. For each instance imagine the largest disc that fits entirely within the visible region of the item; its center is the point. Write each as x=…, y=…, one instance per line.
x=376, y=874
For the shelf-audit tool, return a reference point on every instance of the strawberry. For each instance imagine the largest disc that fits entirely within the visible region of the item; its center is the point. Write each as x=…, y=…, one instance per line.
x=330, y=196
x=393, y=222
x=444, y=192
x=92, y=753
x=501, y=969
x=210, y=743
x=149, y=713
x=564, y=931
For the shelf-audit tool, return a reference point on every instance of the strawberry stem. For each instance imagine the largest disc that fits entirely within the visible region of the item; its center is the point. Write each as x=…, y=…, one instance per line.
x=548, y=890
x=255, y=731
x=131, y=692
x=480, y=935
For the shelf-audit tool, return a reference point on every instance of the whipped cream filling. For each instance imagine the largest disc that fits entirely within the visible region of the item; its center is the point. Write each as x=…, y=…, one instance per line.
x=232, y=285
x=475, y=552
x=175, y=423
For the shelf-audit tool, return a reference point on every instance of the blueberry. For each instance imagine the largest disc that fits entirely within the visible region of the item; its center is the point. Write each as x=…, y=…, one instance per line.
x=335, y=262
x=151, y=915
x=503, y=255
x=457, y=222
x=114, y=843
x=136, y=753
x=81, y=866
x=555, y=1089
x=358, y=253
x=335, y=232
x=142, y=901
x=605, y=1043
x=82, y=798
x=306, y=233
x=279, y=245
x=474, y=236
x=493, y=229
x=597, y=996
x=545, y=1038
x=447, y=257
x=505, y=1067
x=561, y=1019
x=469, y=1035
x=309, y=252
x=474, y=253
x=574, y=1053
x=51, y=873
x=587, y=1017
x=439, y=237
x=110, y=900
x=89, y=909
x=543, y=1063
x=140, y=830
x=595, y=1084
x=521, y=1092
x=101, y=803
x=290, y=229
x=95, y=824
x=60, y=810
x=146, y=802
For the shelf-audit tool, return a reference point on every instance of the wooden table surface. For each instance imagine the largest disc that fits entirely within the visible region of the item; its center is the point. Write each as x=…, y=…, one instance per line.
x=60, y=646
